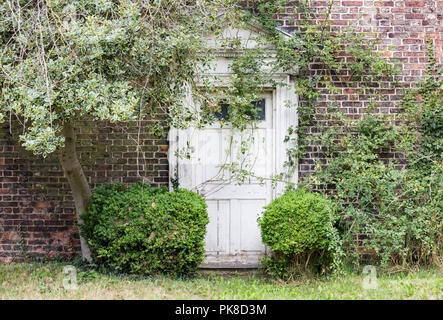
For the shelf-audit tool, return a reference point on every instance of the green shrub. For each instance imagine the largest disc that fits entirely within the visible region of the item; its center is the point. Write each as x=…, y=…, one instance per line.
x=145, y=230
x=386, y=176
x=389, y=215
x=298, y=227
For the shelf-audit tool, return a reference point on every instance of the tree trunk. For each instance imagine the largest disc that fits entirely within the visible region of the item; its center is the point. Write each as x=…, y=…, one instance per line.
x=73, y=170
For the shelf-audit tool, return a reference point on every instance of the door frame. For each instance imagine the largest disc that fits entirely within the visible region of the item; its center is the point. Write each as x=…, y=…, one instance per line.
x=283, y=118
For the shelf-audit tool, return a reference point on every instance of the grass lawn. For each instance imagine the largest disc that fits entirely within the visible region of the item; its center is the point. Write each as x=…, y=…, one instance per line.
x=45, y=281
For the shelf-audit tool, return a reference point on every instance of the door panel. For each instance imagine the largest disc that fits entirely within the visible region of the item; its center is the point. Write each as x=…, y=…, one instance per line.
x=217, y=236
x=250, y=239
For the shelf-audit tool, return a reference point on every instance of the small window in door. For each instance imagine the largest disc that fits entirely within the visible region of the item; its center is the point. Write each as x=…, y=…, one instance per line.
x=223, y=113
x=256, y=112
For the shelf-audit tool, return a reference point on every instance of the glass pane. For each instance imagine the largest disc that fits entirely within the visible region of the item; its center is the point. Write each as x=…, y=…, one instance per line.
x=259, y=114
x=223, y=113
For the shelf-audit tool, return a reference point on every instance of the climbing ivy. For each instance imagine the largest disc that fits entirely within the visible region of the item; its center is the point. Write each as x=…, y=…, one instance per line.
x=386, y=175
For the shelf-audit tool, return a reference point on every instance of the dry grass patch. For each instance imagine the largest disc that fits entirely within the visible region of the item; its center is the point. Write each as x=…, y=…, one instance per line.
x=45, y=281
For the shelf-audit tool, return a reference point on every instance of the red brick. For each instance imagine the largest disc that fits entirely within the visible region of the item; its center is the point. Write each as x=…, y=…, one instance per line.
x=414, y=3
x=414, y=16
x=383, y=3
x=352, y=3
x=412, y=41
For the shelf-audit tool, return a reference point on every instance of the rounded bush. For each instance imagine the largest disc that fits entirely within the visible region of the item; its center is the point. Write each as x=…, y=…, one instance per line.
x=145, y=230
x=298, y=228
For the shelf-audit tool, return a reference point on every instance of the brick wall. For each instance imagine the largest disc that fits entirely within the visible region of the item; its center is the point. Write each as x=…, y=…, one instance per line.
x=36, y=211
x=402, y=27
x=37, y=217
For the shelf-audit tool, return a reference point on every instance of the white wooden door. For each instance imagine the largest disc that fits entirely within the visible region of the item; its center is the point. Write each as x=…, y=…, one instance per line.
x=233, y=237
